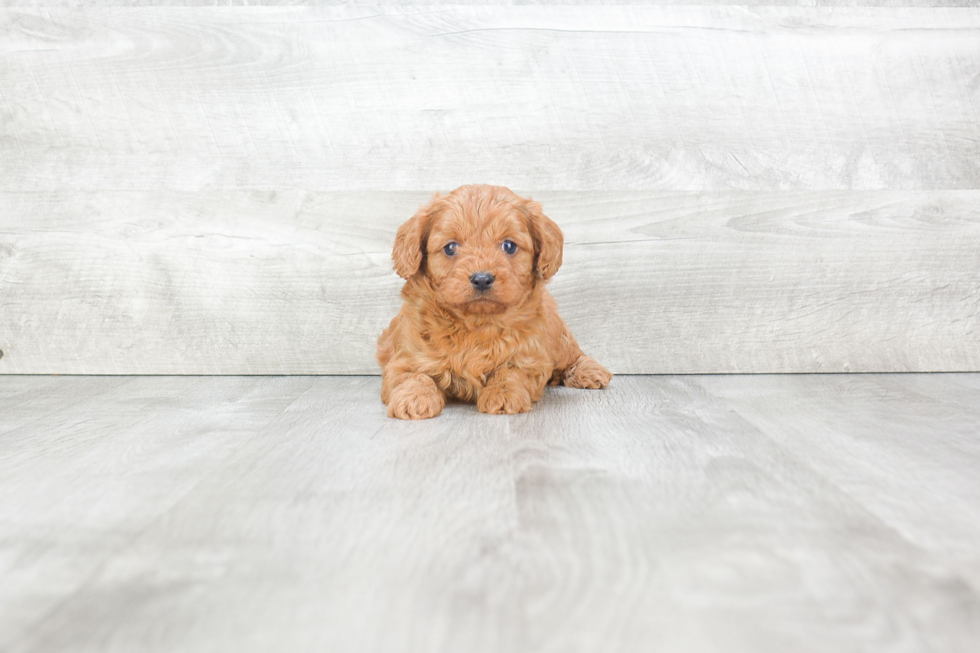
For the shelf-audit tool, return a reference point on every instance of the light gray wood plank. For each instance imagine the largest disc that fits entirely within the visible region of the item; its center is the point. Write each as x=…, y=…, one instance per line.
x=27, y=399
x=550, y=98
x=715, y=536
x=248, y=282
x=255, y=283
x=959, y=390
x=910, y=457
x=275, y=524
x=81, y=482
x=13, y=387
x=439, y=3
x=662, y=513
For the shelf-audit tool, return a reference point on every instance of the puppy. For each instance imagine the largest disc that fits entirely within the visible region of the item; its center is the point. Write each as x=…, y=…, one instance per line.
x=477, y=323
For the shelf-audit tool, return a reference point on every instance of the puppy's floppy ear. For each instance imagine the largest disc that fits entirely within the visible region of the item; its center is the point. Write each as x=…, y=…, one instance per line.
x=548, y=240
x=410, y=241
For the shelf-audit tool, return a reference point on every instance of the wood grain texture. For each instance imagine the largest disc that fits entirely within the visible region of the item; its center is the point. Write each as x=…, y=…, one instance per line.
x=236, y=282
x=889, y=472
x=195, y=190
x=440, y=3
x=540, y=97
x=697, y=514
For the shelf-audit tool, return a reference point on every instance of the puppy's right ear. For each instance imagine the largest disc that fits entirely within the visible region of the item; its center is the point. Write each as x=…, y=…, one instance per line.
x=410, y=241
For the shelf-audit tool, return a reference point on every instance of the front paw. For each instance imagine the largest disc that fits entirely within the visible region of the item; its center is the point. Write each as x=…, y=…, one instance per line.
x=417, y=397
x=587, y=373
x=504, y=400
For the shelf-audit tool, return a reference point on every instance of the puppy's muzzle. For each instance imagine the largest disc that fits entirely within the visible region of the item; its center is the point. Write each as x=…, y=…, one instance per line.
x=481, y=281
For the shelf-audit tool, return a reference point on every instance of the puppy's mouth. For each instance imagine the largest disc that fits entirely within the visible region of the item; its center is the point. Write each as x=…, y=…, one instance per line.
x=484, y=306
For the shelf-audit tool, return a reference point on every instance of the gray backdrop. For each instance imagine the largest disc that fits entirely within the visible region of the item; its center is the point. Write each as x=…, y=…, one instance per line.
x=215, y=190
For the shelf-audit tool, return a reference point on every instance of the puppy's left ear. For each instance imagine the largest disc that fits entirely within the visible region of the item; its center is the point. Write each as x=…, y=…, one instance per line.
x=410, y=241
x=548, y=240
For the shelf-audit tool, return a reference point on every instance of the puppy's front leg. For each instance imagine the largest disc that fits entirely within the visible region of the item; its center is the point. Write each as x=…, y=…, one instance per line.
x=416, y=396
x=510, y=391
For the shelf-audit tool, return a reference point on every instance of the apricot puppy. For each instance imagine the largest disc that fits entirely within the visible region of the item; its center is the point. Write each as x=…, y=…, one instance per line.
x=477, y=323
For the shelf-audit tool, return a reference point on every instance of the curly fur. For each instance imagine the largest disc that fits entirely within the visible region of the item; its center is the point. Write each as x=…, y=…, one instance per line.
x=500, y=347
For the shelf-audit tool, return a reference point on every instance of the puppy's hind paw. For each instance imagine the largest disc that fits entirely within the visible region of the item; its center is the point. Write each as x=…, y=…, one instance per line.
x=417, y=397
x=587, y=373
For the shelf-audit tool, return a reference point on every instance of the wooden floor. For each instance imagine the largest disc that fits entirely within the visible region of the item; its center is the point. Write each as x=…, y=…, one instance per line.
x=713, y=513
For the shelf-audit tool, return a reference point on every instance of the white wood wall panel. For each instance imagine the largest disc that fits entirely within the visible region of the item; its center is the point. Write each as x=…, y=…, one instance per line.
x=263, y=282
x=465, y=3
x=548, y=98
x=743, y=188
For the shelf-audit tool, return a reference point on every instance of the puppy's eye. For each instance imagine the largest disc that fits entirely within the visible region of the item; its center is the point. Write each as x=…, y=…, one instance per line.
x=509, y=247
x=450, y=249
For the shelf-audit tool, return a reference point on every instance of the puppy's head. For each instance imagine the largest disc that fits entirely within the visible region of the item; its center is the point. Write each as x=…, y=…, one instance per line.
x=483, y=248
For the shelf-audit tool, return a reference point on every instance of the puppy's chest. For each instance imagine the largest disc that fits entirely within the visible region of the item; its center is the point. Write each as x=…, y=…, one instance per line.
x=470, y=357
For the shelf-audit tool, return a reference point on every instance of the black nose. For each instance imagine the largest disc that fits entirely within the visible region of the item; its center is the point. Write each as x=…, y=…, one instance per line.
x=481, y=280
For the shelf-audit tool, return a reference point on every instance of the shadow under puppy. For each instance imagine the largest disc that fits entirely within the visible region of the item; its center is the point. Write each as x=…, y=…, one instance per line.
x=477, y=323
